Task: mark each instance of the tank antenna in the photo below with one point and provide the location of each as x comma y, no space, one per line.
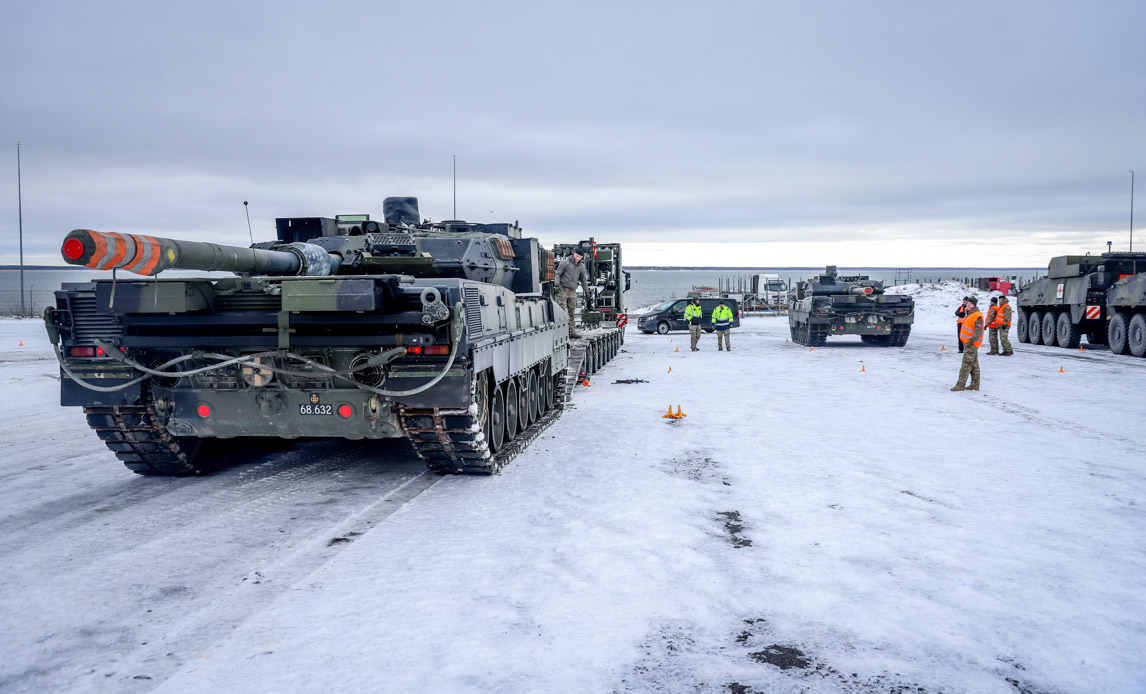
455,186
245,209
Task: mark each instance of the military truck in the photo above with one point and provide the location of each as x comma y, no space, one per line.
349,328
829,304
603,311
1096,296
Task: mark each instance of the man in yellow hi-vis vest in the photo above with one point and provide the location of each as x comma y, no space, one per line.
722,321
693,315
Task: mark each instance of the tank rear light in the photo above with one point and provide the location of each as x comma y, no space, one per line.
99,351
415,350
437,349
83,351
345,411
73,249
204,410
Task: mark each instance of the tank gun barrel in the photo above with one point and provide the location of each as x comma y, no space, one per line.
150,255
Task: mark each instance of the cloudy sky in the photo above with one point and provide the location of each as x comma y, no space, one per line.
733,133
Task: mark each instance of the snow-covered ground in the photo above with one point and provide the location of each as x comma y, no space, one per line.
809,527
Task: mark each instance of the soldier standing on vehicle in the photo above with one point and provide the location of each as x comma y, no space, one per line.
693,315
993,326
971,336
570,271
722,321
960,314
1004,320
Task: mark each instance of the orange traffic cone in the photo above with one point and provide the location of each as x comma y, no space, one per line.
1060,370
863,369
811,349
670,370
679,414
785,339
677,350
21,343
942,348
670,415
1081,349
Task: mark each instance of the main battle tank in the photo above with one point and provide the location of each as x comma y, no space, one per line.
832,305
348,328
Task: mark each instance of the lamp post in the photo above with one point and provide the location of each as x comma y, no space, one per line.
1131,210
20,218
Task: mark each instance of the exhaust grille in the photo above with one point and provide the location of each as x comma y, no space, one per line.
88,323
473,311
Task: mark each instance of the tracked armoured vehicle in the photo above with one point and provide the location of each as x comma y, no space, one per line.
350,328
1102,297
832,305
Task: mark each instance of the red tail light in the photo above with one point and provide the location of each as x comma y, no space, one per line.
204,410
437,349
99,351
345,411
415,350
83,352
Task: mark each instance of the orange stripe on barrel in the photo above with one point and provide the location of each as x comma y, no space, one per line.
120,250
140,254
153,245
100,249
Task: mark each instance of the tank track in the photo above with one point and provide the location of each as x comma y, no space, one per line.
135,433
447,439
896,338
810,335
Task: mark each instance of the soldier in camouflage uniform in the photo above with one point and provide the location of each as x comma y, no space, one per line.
971,335
993,326
570,272
1005,325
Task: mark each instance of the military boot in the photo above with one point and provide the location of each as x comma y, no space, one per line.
959,387
973,387
1007,354
993,352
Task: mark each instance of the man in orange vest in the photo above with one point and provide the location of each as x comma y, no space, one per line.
993,326
971,336
1004,321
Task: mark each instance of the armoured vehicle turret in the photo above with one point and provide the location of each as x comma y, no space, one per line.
350,328
829,304
1100,296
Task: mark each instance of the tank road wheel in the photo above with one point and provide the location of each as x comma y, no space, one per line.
1050,323
497,421
1022,327
481,399
523,417
663,328
550,388
534,397
1116,334
511,410
1066,332
1035,328
1137,335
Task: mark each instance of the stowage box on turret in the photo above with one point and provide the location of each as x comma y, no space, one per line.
348,327
832,305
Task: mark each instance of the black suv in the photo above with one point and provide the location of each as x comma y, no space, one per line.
670,315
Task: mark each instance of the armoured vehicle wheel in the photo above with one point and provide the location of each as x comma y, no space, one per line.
1050,323
534,399
1067,333
1116,334
663,328
511,410
1035,328
1137,335
523,408
1022,328
497,420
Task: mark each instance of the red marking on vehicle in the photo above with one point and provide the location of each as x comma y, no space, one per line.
1093,311
345,411
73,249
204,410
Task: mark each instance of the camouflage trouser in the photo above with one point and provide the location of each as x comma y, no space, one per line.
567,299
970,365
1005,338
694,335
722,339
993,339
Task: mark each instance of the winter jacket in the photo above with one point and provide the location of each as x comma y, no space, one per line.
569,273
693,314
722,317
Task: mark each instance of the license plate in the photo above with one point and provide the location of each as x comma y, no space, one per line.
308,408
315,407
